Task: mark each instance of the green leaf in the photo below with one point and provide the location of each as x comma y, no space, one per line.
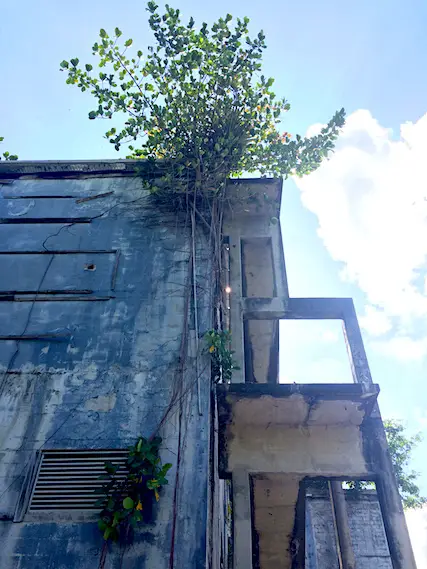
102,33
111,468
74,62
92,115
128,42
128,503
117,32
107,533
116,518
166,468
64,64
88,67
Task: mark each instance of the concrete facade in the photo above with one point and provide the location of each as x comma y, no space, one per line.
93,312
275,438
98,328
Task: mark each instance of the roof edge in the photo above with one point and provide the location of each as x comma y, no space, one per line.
16,168
54,169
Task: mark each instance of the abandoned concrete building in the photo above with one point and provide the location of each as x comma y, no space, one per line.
94,304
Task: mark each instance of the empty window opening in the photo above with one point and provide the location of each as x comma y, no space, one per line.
313,351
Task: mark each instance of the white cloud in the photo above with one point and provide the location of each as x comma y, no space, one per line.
329,337
375,322
421,418
403,348
370,200
417,526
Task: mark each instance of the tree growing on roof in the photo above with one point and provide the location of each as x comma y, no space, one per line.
198,100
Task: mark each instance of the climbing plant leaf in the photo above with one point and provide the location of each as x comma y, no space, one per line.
123,499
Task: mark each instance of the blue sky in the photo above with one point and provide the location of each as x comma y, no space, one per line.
357,228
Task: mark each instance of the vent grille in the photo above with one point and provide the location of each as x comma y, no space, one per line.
67,480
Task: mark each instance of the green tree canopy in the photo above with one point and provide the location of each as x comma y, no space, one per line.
197,98
401,447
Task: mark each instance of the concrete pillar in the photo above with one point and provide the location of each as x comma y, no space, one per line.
339,509
279,265
399,543
355,348
242,521
236,320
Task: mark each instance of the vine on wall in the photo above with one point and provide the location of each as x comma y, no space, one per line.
197,111
221,354
125,496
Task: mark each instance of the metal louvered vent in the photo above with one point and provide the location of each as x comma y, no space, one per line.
66,480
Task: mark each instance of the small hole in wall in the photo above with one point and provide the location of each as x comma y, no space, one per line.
90,267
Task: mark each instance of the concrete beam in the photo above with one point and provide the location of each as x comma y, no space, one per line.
264,308
297,308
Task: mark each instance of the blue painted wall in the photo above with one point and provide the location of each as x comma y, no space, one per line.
103,371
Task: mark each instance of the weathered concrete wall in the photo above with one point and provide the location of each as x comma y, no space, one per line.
318,450
95,369
274,502
366,528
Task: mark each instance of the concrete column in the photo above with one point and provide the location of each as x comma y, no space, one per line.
355,347
279,265
399,543
339,508
236,319
242,521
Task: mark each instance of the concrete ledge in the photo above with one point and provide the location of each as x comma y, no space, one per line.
327,391
295,404
307,429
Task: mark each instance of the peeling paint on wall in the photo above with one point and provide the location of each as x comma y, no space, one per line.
105,377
